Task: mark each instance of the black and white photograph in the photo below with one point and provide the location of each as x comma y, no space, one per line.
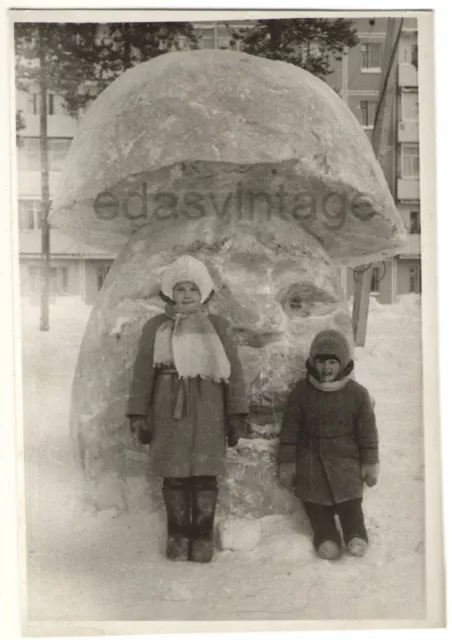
223,279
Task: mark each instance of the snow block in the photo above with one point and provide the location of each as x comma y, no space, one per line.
277,287
217,133
238,534
275,284
251,488
261,171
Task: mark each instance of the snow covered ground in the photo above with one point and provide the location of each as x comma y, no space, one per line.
85,567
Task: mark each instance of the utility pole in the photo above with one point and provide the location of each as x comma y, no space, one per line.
380,142
45,193
127,37
345,77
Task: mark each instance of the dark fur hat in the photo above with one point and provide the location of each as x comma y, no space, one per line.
334,344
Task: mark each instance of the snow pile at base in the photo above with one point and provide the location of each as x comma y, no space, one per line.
83,566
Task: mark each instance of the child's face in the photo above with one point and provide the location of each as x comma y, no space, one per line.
328,370
186,294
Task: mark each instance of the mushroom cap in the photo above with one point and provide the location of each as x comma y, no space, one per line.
231,134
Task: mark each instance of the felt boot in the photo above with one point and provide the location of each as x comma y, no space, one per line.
329,550
358,547
204,492
176,495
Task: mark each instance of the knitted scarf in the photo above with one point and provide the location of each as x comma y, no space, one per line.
335,385
189,342
329,386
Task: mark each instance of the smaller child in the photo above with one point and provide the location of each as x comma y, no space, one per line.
329,446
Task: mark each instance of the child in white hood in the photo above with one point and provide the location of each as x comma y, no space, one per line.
187,397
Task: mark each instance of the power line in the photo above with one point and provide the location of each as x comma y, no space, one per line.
388,72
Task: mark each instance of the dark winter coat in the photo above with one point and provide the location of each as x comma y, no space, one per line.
195,443
329,434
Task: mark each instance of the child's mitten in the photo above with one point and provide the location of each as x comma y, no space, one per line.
235,429
370,473
141,428
286,474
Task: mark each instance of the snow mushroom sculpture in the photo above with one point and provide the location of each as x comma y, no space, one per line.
261,171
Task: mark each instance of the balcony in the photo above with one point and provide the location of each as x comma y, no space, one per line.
29,183
407,75
408,189
60,245
412,248
408,131
57,126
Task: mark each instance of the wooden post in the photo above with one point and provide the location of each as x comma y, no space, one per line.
384,128
363,281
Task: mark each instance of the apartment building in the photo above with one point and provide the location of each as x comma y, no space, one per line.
78,269
217,35
357,78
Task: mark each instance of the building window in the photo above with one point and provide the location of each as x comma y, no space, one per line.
224,42
29,158
375,282
367,109
26,219
415,222
54,105
410,106
32,104
53,280
58,280
371,56
410,161
34,275
414,55
64,280
101,275
208,42
415,283
51,105
29,214
222,30
58,150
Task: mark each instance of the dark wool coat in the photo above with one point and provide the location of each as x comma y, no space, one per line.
329,434
195,443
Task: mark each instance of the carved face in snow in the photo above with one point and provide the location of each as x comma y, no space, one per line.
274,283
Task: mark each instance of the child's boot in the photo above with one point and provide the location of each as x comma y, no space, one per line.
353,526
327,539
358,547
203,504
329,550
176,494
